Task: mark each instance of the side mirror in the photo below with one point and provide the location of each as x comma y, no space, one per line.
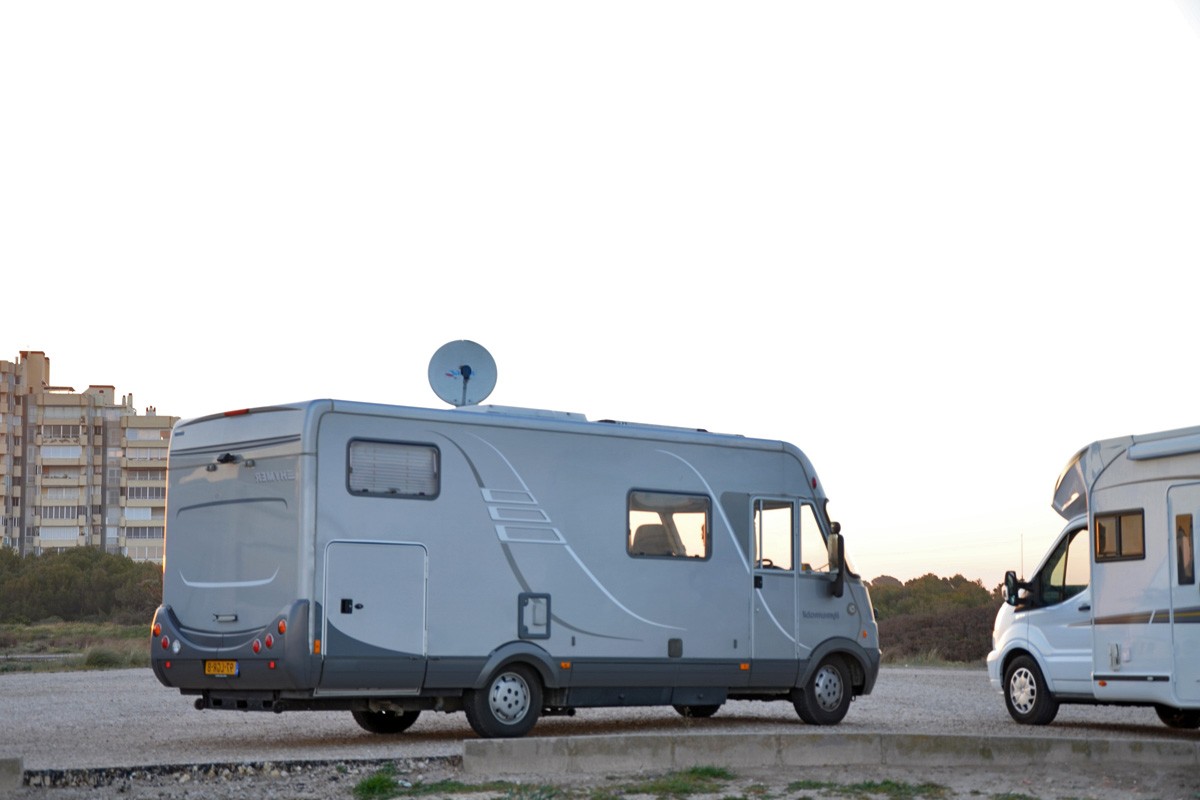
1011,585
837,564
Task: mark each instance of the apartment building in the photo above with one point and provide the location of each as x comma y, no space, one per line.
79,469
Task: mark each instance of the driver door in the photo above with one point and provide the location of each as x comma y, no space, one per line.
774,623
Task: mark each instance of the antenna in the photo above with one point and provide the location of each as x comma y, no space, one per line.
462,373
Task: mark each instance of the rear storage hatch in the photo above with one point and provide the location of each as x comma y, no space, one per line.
234,525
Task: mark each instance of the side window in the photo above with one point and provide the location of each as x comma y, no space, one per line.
1120,536
1185,550
773,527
1068,571
668,525
393,469
814,552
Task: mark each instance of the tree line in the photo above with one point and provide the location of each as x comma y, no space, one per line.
82,584
934,619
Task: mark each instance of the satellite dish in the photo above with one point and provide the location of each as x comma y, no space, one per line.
462,373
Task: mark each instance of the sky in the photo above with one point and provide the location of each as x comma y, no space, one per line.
938,245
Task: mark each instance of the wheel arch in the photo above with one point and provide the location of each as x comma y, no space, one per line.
863,664
520,653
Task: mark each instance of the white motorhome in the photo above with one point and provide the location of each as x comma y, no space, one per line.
504,562
1111,614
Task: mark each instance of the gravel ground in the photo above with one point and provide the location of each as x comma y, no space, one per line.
122,734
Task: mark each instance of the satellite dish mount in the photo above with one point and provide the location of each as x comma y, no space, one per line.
462,373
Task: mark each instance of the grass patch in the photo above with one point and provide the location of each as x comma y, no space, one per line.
696,780
56,646
384,784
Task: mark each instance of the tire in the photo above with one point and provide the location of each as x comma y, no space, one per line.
825,699
697,712
507,706
1028,699
385,721
1178,717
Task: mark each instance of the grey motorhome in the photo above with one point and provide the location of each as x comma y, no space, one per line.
1110,615
504,562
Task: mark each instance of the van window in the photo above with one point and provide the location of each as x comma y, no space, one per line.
814,552
1185,550
1120,536
773,527
1067,571
393,469
668,525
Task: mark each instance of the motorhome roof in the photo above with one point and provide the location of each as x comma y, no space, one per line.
1081,472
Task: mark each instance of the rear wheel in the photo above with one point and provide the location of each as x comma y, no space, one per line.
1178,717
385,721
508,705
1029,701
825,699
698,712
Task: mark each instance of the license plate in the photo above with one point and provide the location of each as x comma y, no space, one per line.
225,668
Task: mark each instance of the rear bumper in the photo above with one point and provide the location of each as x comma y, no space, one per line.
283,661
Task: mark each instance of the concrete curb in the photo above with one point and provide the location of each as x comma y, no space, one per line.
12,772
627,754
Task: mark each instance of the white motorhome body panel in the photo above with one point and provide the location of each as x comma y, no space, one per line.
1132,644
1183,510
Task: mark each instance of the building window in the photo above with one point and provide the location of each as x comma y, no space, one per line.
393,469
60,432
1120,536
146,493
62,451
60,512
668,525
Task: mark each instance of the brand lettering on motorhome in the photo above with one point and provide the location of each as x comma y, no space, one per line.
275,475
831,615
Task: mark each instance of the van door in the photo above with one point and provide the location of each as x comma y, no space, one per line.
774,624
1058,612
1183,507
374,629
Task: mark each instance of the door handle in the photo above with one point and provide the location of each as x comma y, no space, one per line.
348,605
1086,607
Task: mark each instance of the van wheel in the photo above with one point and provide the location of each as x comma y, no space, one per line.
507,706
825,699
1029,701
697,712
385,721
1178,717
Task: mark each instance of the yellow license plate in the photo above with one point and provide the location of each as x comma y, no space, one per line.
226,668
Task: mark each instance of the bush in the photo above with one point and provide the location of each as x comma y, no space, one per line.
103,657
83,584
934,619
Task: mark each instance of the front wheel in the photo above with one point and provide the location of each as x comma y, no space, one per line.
1178,717
507,706
385,721
1029,701
825,699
